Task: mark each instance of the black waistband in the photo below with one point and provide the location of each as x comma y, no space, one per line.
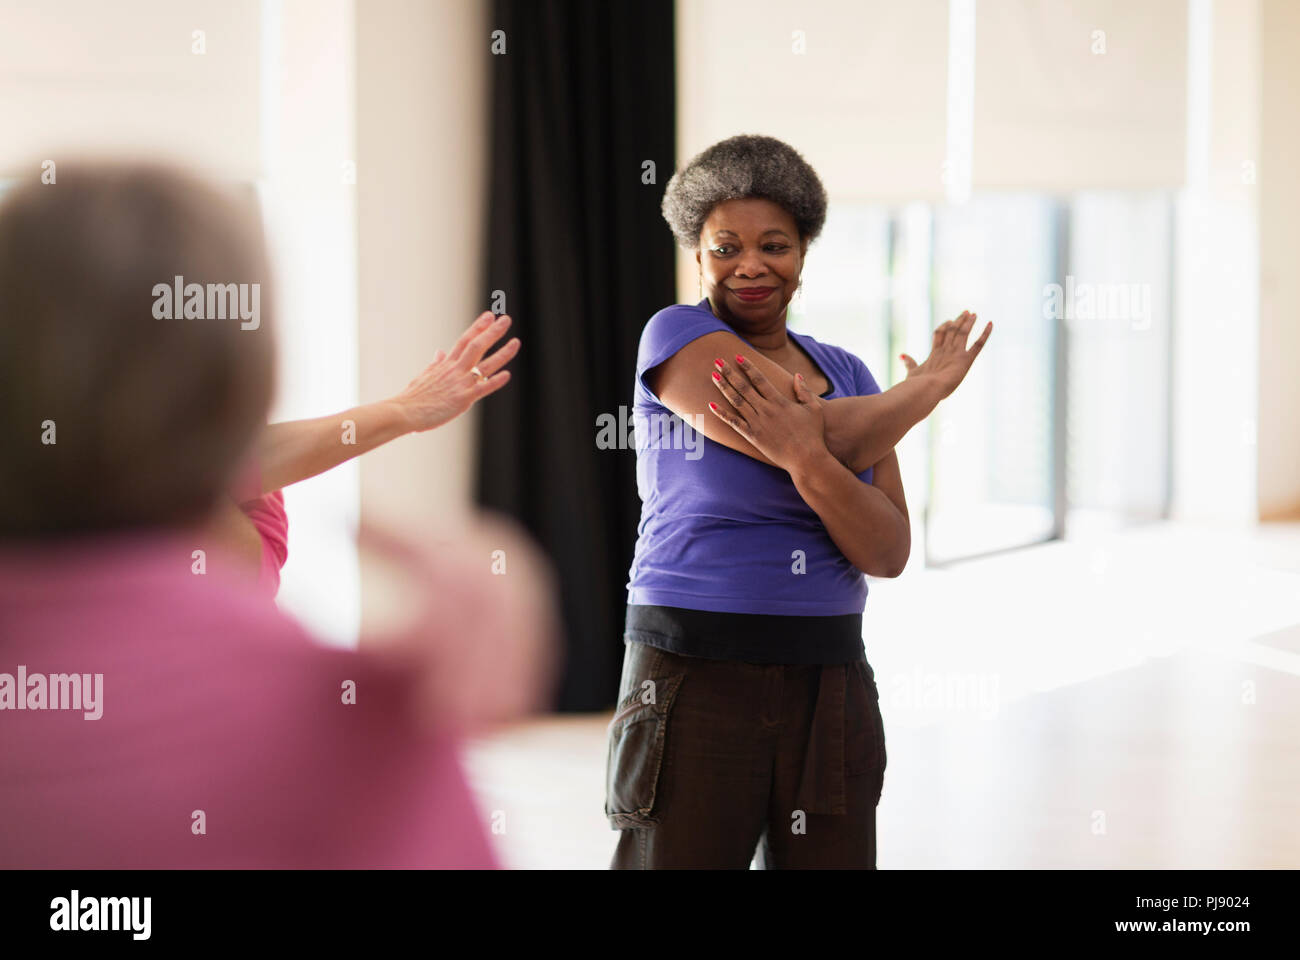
752,637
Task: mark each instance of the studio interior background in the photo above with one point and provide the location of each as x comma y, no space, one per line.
1106,511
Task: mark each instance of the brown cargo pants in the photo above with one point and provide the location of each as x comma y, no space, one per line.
712,762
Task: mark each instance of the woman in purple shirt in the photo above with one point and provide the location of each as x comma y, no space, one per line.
748,716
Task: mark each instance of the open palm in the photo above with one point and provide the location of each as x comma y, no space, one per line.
448,386
949,360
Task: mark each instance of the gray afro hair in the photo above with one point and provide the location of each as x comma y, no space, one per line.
744,166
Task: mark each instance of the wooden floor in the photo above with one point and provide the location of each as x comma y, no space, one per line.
1131,700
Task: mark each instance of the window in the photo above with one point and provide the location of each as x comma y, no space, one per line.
1066,416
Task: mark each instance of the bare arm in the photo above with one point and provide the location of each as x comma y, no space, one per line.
859,431
860,517
887,477
297,449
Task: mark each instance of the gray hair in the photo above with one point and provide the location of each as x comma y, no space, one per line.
744,166
153,417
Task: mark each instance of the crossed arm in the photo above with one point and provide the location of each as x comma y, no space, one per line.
766,414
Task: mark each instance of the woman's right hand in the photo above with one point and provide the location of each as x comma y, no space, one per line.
789,431
448,387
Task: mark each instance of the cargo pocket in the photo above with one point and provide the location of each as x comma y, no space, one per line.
864,744
637,738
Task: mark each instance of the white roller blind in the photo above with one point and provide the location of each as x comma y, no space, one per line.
864,101
123,76
1078,95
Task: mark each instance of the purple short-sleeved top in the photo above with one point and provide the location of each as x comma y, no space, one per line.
722,531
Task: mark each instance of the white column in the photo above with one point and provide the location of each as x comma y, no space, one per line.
1217,272
1278,433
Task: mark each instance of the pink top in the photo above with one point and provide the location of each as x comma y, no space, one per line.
272,522
212,701
268,515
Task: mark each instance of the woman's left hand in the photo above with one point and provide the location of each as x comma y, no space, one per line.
448,387
789,431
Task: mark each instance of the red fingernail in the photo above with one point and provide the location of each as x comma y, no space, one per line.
717,376
718,363
739,358
712,405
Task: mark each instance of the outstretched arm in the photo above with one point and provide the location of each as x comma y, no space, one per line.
295,450
866,429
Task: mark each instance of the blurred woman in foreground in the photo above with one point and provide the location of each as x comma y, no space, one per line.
157,715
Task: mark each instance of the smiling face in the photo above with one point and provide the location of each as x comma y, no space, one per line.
750,259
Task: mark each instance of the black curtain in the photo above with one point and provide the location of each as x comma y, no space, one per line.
582,101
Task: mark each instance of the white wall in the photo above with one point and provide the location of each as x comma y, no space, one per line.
125,76
1085,94
422,131
857,86
1279,252
308,136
